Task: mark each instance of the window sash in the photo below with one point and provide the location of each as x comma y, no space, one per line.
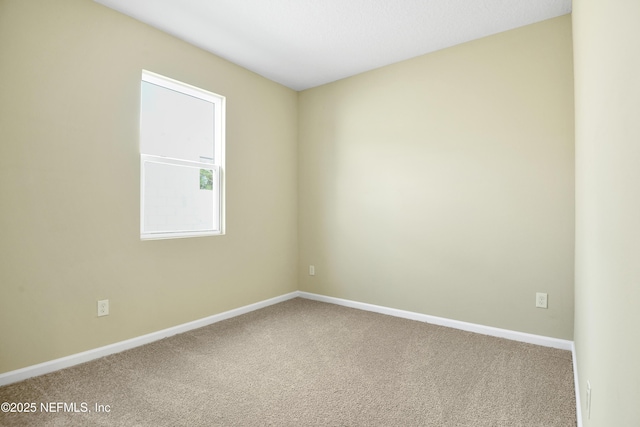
165,201
218,101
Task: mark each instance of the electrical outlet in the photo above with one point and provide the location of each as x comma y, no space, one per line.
103,307
541,300
588,400
312,270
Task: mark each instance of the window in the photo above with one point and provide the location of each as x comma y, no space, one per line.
181,159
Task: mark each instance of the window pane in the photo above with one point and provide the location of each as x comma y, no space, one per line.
175,125
179,198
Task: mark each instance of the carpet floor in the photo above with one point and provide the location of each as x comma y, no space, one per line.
307,363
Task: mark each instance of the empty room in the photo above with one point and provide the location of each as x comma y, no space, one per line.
354,213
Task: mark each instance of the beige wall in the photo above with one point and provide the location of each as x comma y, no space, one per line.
607,100
444,184
69,185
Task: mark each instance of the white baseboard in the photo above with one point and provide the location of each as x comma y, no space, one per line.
577,385
457,324
76,359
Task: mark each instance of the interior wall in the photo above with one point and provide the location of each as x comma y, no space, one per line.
607,102
69,185
445,184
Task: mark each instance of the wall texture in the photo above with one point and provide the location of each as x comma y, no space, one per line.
445,184
607,103
69,185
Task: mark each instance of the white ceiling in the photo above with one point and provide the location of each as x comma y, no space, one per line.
306,43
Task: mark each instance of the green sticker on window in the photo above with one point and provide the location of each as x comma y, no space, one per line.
206,179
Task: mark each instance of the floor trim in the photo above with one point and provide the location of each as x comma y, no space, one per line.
577,385
75,359
457,324
96,353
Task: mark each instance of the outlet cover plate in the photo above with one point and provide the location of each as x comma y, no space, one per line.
541,300
103,307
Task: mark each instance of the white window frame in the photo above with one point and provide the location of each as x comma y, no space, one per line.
217,166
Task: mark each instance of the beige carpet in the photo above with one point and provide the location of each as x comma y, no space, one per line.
306,363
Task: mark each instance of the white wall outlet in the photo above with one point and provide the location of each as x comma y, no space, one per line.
103,307
541,300
588,400
312,270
